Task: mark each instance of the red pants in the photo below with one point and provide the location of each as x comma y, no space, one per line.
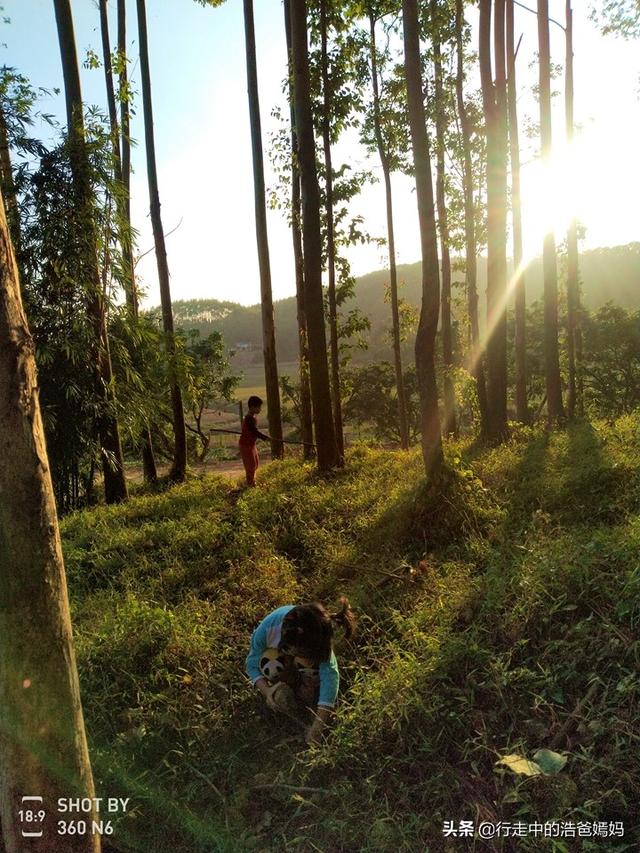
250,460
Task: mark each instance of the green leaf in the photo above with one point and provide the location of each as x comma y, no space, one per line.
550,762
521,765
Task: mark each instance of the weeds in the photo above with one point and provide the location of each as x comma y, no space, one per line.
499,619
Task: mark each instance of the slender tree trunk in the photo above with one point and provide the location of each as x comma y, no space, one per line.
148,457
179,467
124,224
115,486
331,249
266,299
574,396
391,241
494,103
428,324
42,739
443,227
327,449
125,146
555,410
471,266
306,419
522,409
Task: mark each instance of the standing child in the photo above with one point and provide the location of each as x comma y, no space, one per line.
292,663
247,443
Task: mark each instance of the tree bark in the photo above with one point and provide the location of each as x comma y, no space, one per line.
125,141
555,410
146,445
124,223
115,486
179,467
306,419
331,249
449,421
428,324
42,738
318,369
8,184
391,241
522,409
494,104
471,265
266,299
574,395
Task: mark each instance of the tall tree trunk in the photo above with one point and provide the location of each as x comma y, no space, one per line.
124,223
115,486
306,418
391,240
555,410
150,471
125,144
266,299
327,449
443,227
494,104
428,324
42,739
471,265
331,249
522,409
574,396
179,467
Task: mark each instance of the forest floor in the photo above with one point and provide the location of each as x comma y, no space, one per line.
498,617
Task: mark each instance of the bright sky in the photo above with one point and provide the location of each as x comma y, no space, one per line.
203,143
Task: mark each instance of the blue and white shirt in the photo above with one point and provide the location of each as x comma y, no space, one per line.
267,636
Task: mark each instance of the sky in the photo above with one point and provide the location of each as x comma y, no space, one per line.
204,152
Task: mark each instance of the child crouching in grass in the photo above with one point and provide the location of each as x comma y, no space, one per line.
292,663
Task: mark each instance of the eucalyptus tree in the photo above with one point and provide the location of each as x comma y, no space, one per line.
42,737
384,132
574,336
494,100
428,325
121,144
439,21
327,102
179,467
306,414
555,409
327,450
471,248
266,298
111,449
125,131
522,410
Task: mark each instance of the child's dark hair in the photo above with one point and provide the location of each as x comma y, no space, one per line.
309,628
254,400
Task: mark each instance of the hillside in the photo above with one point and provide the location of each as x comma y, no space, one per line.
496,620
608,274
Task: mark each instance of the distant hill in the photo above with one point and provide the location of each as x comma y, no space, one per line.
608,274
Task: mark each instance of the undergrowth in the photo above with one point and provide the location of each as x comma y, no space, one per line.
498,616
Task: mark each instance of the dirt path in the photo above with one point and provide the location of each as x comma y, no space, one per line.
231,469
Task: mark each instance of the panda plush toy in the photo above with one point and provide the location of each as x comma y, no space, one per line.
272,664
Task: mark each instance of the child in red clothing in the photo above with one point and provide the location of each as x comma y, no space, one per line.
250,433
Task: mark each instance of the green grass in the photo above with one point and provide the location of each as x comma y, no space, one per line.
489,615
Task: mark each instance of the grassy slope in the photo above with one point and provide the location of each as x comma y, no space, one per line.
526,595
